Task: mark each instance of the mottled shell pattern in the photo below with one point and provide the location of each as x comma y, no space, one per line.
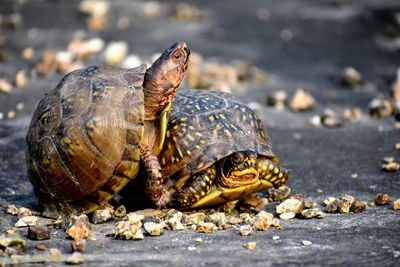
84,136
227,126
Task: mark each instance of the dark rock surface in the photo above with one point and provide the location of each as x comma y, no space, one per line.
326,38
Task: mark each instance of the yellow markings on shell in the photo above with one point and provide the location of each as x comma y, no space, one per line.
191,127
189,152
197,146
276,170
211,118
67,140
268,176
197,107
215,133
273,178
227,132
271,167
186,143
168,134
183,119
179,151
222,116
244,118
207,178
203,184
264,167
198,134
175,127
172,159
191,138
202,141
280,175
203,193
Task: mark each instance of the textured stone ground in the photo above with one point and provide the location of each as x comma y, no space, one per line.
326,38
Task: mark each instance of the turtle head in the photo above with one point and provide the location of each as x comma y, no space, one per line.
163,78
238,169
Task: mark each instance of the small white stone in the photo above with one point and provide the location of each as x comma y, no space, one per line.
27,220
131,61
115,52
287,215
276,237
306,243
191,248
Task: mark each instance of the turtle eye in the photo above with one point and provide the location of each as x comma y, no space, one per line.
178,55
237,158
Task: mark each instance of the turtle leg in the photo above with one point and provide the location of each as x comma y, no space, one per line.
197,188
272,172
154,189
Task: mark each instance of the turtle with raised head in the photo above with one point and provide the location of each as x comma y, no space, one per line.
216,150
88,136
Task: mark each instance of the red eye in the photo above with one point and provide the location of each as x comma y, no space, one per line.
178,55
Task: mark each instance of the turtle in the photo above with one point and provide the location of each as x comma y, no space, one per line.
90,135
216,150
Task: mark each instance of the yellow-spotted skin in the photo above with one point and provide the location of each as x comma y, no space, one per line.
206,127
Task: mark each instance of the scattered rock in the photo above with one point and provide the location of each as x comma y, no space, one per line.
230,206
78,227
352,113
351,78
277,99
12,209
175,224
253,202
262,221
381,107
40,247
11,114
251,245
12,245
278,194
75,259
246,218
343,207
397,146
245,230
329,119
97,11
101,216
332,207
347,198
13,21
173,213
277,224
382,199
358,206
206,227
199,240
194,218
391,167
55,254
328,201
290,205
217,218
372,204
147,213
154,229
151,9
131,61
115,52
185,11
396,204
129,230
309,204
314,121
19,106
312,213
38,233
301,101
287,215
48,63
27,221
276,237
306,243
120,212
28,53
388,159
5,87
78,245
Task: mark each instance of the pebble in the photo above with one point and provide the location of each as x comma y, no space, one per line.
131,61
245,230
277,99
278,194
101,216
276,237
40,247
253,203
175,224
306,243
38,233
151,9
173,213
147,213
128,230
78,245
185,11
191,248
19,106
391,167
229,206
251,245
262,221
1,115
343,207
194,218
217,218
154,229
312,213
351,78
28,53
396,204
382,199
347,198
27,221
246,218
354,176
287,215
11,245
5,87
388,159
120,212
199,240
358,206
12,209
290,205
397,146
11,114
75,259
115,52
381,107
301,101
332,207
352,113
328,201
78,227
314,121
329,119
309,204
20,79
55,253
206,227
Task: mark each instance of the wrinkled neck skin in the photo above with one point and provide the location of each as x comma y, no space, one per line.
155,97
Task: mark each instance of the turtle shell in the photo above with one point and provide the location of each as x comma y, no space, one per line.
83,140
226,125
